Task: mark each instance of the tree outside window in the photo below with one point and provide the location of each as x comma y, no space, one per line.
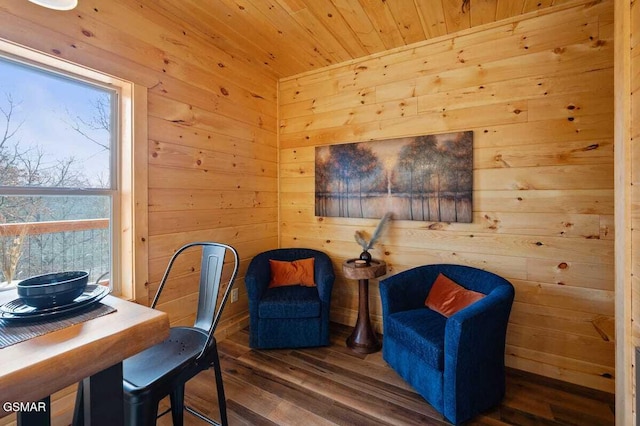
56,180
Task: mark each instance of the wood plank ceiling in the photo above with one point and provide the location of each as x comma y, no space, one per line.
289,37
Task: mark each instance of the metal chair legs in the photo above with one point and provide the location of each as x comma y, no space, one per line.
177,405
222,401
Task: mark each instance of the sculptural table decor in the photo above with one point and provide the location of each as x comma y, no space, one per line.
363,339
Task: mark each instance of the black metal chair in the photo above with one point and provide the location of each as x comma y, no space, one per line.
164,368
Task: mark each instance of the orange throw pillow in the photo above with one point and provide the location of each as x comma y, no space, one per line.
448,297
298,272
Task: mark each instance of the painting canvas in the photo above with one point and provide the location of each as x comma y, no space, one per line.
426,178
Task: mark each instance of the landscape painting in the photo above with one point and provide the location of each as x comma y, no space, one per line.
425,178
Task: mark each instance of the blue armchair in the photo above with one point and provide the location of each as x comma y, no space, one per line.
291,316
455,363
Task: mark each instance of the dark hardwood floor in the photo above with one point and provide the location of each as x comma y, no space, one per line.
336,386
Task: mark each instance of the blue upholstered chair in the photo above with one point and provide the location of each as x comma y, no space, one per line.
455,363
291,316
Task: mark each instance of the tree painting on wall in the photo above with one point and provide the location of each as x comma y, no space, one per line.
427,178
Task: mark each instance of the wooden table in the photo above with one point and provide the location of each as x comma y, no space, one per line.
363,339
91,351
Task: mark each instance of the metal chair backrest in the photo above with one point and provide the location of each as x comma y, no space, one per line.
210,304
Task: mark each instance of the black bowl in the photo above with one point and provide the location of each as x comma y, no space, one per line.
56,289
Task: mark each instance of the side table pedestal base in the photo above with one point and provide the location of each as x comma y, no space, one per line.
363,339
363,344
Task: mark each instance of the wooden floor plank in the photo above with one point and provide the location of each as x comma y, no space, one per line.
358,399
358,382
336,386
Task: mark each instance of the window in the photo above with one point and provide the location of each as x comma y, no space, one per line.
65,170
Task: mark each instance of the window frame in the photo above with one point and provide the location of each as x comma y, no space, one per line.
129,185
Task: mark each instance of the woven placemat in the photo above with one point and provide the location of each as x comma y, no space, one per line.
16,332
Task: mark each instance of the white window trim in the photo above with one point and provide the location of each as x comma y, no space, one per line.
130,212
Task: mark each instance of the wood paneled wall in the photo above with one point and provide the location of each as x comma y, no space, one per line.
212,148
536,90
538,94
630,170
635,156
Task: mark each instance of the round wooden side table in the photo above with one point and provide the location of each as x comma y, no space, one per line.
363,339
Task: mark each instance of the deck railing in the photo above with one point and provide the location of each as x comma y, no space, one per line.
44,247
